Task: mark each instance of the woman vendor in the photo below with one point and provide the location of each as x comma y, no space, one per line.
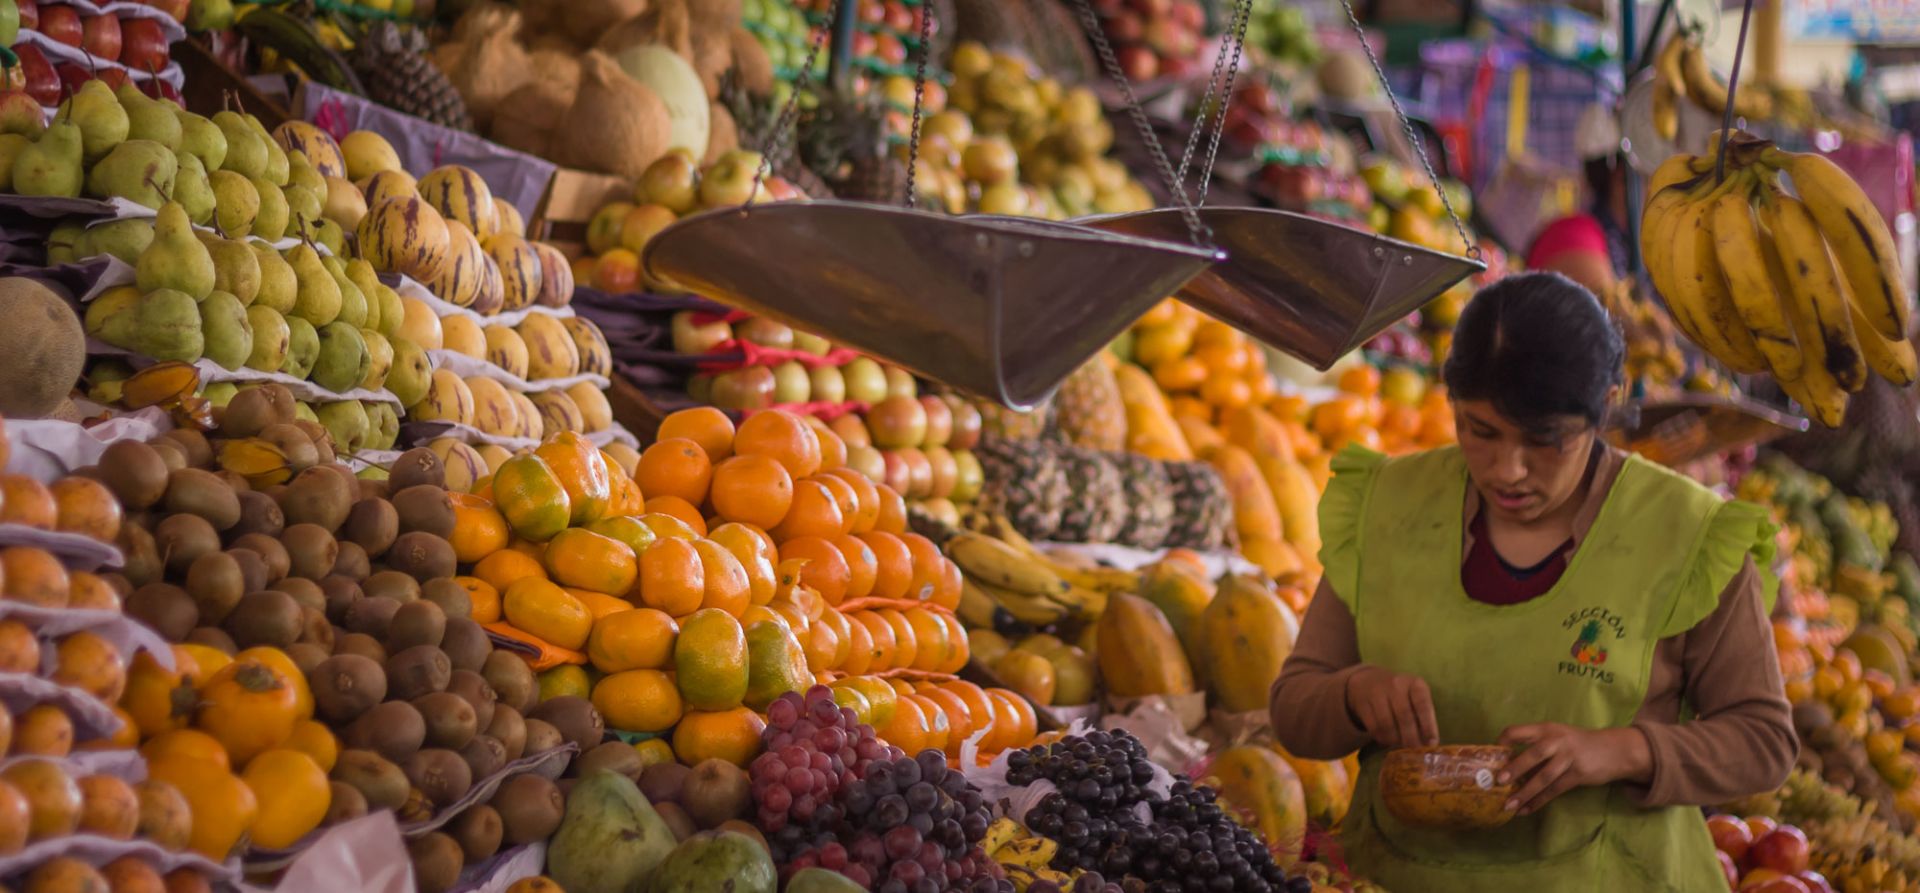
1536,588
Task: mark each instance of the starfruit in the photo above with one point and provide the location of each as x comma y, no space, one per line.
260,462
193,411
161,383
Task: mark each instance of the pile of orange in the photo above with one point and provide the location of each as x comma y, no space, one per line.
944,715
1204,365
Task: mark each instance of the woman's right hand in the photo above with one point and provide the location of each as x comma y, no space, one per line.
1396,709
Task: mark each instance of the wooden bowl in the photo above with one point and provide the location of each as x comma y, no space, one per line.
1452,787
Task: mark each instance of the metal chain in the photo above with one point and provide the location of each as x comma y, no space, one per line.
919,100
783,123
1406,124
1202,236
1206,103
1245,12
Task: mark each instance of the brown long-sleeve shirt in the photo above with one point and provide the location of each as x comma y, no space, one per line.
1740,740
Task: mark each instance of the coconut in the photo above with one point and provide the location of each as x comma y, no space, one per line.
616,125
491,63
722,135
678,85
712,56
667,24
558,67
751,66
586,21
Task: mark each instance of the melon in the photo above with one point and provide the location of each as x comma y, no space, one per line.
42,349
678,85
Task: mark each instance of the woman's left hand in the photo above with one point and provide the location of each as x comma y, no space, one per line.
1558,758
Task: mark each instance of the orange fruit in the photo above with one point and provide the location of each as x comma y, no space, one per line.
1027,722
483,597
27,502
1010,728
946,587
85,506
892,517
927,566
945,469
833,450
843,496
674,467
859,647
974,697
782,436
582,559
755,557
679,508
866,499
729,735
930,635
815,512
906,646
838,622
672,577
755,490
908,728
1363,380
826,569
893,564
862,565
665,526
506,567
479,529
957,636
939,724
727,585
705,425
881,633
960,719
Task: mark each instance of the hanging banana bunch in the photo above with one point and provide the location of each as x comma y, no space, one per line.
1802,283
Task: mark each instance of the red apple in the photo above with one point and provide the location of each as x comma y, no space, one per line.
1189,13
42,83
101,36
866,44
29,15
1815,881
939,421
1139,63
1731,870
966,423
1152,9
873,12
1761,825
898,476
143,45
900,18
1784,850
898,422
1126,27
1730,835
62,24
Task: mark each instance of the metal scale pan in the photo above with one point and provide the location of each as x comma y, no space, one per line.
1001,307
1308,287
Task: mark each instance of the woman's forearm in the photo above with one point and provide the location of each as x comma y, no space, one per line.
1309,700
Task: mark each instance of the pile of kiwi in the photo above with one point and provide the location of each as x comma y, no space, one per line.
353,577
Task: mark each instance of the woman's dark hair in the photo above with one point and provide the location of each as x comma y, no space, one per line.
1537,346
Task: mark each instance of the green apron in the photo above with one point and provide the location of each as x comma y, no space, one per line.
1653,565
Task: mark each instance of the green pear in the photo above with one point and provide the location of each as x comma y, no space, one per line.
318,298
236,269
140,171
379,359
301,173
328,233
10,146
236,203
176,259
226,330
343,362
199,136
65,235
271,223
303,347
125,239
279,287
302,412
361,274
271,335
410,374
383,426
51,166
21,114
149,119
191,190
209,15
103,123
346,420
303,207
277,169
353,302
110,315
393,314
246,151
165,325
220,393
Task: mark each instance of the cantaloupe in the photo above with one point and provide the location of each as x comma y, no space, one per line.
673,79
42,349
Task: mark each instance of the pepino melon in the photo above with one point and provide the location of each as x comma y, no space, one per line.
673,79
1139,654
1248,633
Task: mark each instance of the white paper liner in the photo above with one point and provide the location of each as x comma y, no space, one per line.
58,52
125,633
127,765
91,719
1219,562
96,850
75,551
1161,723
466,367
498,873
365,855
366,459
49,449
407,287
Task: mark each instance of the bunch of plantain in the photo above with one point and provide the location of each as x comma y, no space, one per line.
1802,283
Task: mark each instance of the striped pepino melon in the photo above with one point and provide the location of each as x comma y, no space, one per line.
494,410
405,235
461,276
520,273
488,299
460,195
448,400
532,426
1139,654
550,349
558,413
595,413
316,144
595,357
556,276
506,350
1262,792
463,463
1247,634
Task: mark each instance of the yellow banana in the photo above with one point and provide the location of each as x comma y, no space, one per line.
1026,607
1891,359
1705,89
1816,390
976,608
1863,249
1088,603
1815,286
1736,239
1699,285
1031,853
1003,831
1667,85
1000,564
1667,192
1100,579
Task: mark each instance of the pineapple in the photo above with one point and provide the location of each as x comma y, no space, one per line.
1149,499
1099,504
1202,507
1008,424
1087,410
392,64
1023,481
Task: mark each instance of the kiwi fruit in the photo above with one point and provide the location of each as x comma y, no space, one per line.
170,454
258,514
347,803
341,593
416,623
452,597
512,680
253,569
215,582
311,550
271,552
485,755
136,474
182,539
420,670
365,646
436,861
715,792
213,637
315,629
477,830
451,722
202,493
530,809
664,782
509,729
165,607
617,756
425,509
118,583
352,562
267,617
294,444
575,717
193,444
234,482
307,655
249,413
677,820
371,524
140,558
371,615
394,729
416,467
473,688
379,781
422,555
541,737
440,774
391,584
369,488
306,593
345,686
320,496
466,645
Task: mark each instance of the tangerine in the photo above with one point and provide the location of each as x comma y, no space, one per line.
908,727
705,425
892,517
844,496
506,567
906,646
27,502
479,529
826,570
674,506
862,564
672,577
729,735
755,490
483,598
815,513
881,634
928,566
674,467
859,656
784,437
833,450
930,635
866,499
939,724
727,585
755,556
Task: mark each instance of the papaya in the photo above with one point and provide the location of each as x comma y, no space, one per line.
1297,498
1255,513
1181,596
1262,792
716,862
820,880
611,839
1255,430
1151,430
776,664
1326,786
1138,652
1248,633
